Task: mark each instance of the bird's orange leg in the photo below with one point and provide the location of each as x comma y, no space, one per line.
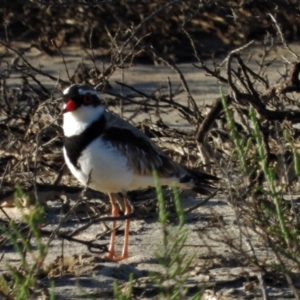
128,211
115,213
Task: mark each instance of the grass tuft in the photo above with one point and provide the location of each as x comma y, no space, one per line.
27,242
172,255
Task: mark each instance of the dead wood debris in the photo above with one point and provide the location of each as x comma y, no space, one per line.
95,23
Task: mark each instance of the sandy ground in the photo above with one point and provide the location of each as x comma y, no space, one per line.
216,268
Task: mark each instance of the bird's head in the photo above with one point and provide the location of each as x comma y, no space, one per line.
82,106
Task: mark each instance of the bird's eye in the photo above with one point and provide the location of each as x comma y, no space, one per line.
87,98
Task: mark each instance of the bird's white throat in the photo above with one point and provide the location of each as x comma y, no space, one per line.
75,122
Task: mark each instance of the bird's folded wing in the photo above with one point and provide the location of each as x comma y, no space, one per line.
143,155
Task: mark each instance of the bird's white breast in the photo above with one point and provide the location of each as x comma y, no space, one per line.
109,169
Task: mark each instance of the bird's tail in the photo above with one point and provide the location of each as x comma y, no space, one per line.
199,182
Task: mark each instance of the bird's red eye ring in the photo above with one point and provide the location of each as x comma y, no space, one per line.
87,98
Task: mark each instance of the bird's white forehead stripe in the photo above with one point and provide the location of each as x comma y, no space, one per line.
83,92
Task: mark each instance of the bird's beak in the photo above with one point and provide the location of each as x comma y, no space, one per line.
70,106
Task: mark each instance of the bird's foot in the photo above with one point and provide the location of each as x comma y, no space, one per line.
112,256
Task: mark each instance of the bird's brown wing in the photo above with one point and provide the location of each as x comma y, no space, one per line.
143,155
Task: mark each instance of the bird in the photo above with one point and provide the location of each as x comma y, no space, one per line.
110,155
